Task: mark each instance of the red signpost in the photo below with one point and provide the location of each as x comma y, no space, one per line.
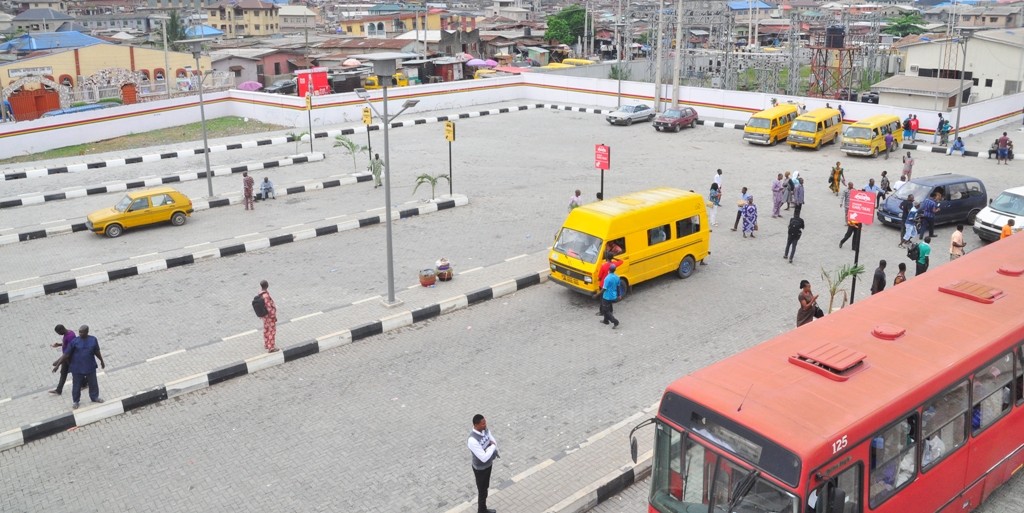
862,207
602,161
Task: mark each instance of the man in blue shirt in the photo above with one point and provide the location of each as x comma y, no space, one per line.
82,354
609,294
929,207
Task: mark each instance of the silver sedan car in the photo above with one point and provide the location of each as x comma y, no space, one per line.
627,114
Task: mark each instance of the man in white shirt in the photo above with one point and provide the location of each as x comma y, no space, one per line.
484,450
575,200
718,179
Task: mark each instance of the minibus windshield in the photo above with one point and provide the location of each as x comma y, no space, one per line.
803,125
855,132
577,245
1009,203
759,123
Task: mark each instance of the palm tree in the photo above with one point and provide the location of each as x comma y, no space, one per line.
836,278
432,180
297,138
905,25
175,32
350,147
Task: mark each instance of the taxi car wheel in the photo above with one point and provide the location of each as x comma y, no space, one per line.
629,121
178,219
113,231
693,124
972,216
686,267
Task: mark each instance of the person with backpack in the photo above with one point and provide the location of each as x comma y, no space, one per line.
910,223
906,129
923,250
796,229
265,309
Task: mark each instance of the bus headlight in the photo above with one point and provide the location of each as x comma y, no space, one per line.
588,280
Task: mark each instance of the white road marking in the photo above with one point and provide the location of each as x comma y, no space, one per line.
471,270
196,245
6,229
335,217
361,301
2,401
85,267
293,226
165,355
23,279
247,235
410,287
54,221
144,256
314,314
242,334
524,255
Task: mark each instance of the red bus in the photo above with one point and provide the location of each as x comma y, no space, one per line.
909,401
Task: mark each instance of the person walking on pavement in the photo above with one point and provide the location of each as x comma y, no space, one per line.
376,168
844,200
836,179
914,126
778,195
715,198
798,196
67,336
269,320
890,142
739,206
929,207
878,282
81,357
1003,145
907,221
718,178
852,229
602,272
575,200
808,302
908,166
1007,229
796,229
609,292
749,218
483,450
938,129
956,243
924,249
247,186
885,186
871,187
901,276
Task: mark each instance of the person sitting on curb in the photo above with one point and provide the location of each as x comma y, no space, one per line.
266,189
958,145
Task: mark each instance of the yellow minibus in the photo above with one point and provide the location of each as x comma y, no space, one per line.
578,62
815,128
770,125
651,233
867,136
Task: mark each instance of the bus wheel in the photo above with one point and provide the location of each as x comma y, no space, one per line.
772,141
686,267
623,288
874,152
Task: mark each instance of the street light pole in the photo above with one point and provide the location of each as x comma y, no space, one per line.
197,50
960,94
167,62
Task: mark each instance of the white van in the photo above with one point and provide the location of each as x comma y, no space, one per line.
990,221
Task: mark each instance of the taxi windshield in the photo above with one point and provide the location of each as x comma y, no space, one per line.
759,123
123,204
577,245
687,476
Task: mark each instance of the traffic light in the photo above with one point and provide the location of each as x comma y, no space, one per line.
367,116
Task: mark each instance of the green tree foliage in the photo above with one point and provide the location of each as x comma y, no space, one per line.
566,26
905,25
175,32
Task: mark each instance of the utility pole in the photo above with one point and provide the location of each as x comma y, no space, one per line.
657,57
680,45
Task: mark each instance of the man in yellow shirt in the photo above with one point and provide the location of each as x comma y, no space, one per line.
1007,230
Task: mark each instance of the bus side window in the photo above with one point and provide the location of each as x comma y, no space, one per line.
944,424
688,226
992,395
657,235
839,495
1020,375
616,246
893,459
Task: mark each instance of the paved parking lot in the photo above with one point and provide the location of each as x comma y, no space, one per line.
380,425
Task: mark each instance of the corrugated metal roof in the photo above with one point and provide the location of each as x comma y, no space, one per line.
48,41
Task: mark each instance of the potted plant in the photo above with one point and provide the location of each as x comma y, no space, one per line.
432,180
351,148
836,278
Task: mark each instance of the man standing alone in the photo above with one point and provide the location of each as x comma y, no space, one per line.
269,320
247,185
908,166
956,243
609,294
575,200
81,356
798,196
796,229
924,249
484,450
376,167
1003,149
878,283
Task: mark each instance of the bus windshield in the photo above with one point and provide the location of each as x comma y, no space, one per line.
803,125
577,245
858,133
1009,203
759,123
689,477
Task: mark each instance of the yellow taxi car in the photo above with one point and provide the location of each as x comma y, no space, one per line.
139,208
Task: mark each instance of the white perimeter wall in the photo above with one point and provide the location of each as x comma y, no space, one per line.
346,109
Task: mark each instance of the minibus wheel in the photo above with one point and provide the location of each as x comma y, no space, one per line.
772,141
623,288
874,152
686,267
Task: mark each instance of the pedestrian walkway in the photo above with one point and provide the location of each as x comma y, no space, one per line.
128,386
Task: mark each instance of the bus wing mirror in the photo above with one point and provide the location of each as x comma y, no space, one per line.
632,439
632,449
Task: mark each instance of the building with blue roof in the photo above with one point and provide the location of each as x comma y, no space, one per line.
42,41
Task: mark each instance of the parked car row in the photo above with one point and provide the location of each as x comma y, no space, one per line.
671,119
